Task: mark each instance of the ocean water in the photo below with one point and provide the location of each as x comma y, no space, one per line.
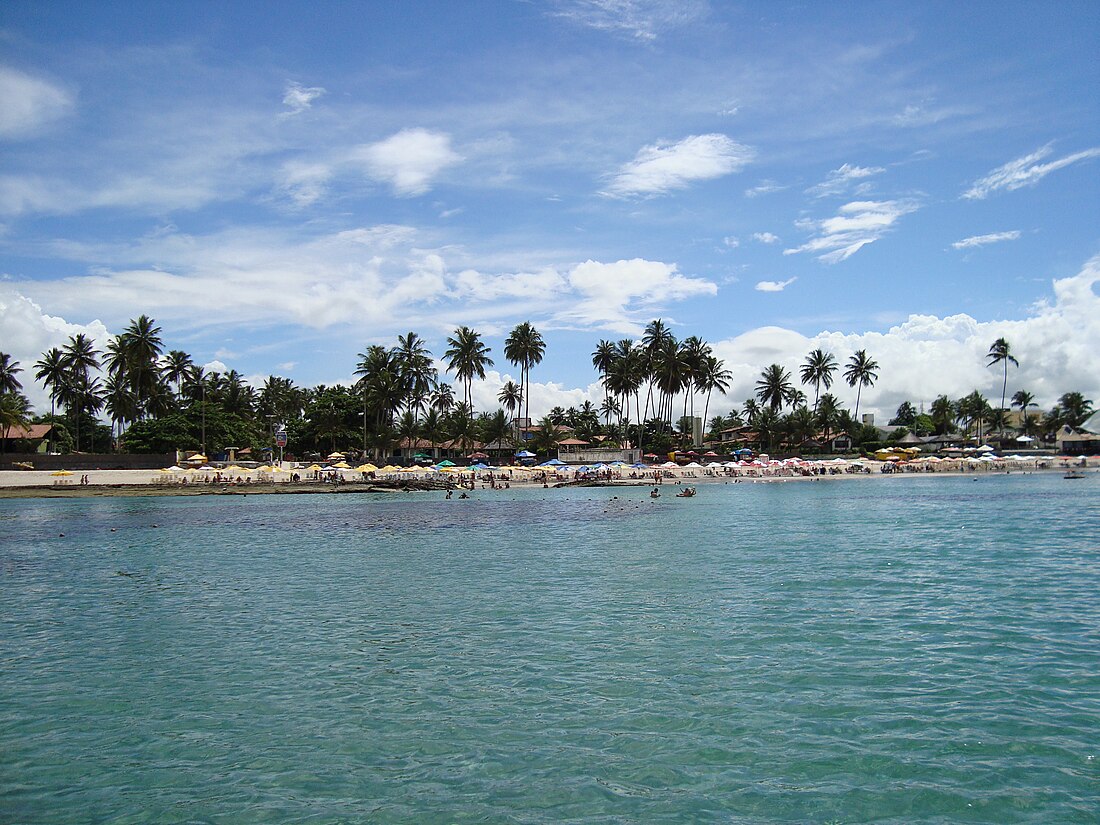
859,650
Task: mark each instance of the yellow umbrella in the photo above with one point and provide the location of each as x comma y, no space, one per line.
61,473
197,457
389,468
313,468
367,468
342,465
335,455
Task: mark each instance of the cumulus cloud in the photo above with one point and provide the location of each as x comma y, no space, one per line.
28,103
774,286
839,181
298,98
409,160
765,237
982,240
927,356
28,331
638,19
618,296
858,224
1025,171
663,167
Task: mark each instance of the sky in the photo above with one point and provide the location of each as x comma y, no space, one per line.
281,185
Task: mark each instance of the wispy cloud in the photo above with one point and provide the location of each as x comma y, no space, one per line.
765,237
28,103
765,187
839,181
1025,171
641,20
408,160
774,286
858,224
662,167
298,98
982,240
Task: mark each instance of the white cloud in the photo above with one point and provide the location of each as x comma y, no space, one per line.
305,182
638,19
927,356
839,181
1025,171
27,332
618,296
774,286
28,103
298,98
409,160
662,167
531,286
982,240
731,242
765,237
765,187
858,224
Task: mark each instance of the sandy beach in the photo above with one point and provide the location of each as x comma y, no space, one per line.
45,484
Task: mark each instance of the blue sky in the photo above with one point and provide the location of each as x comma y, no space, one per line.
282,184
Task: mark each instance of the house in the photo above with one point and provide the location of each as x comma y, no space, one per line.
37,434
1073,441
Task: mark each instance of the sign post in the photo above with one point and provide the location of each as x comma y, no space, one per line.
280,442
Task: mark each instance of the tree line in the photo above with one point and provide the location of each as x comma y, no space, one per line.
158,400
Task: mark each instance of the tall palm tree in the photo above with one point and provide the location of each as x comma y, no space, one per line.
467,357
525,348
944,412
861,370
51,370
713,376
141,348
414,364
8,371
81,393
602,358
1000,353
774,388
511,396
818,369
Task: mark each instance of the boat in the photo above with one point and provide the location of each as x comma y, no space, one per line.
1073,474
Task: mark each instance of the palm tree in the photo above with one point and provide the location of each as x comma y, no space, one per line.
774,387
432,428
610,407
176,366
119,402
80,393
818,370
944,413
1000,353
8,371
407,429
467,357
828,414
1075,409
414,365
15,411
511,396
862,370
602,359
525,348
442,399
713,376
52,372
1023,399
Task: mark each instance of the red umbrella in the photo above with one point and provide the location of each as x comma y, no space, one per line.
477,455
711,453
651,455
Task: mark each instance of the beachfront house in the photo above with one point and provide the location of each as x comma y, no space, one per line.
33,438
1076,441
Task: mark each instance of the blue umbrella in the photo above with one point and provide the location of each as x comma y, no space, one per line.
479,466
524,454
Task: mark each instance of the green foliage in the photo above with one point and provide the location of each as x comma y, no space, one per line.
183,431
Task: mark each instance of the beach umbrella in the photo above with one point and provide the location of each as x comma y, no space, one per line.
335,455
445,463
985,448
342,465
524,454
61,473
197,457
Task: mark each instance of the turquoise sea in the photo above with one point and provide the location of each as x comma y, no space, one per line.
847,651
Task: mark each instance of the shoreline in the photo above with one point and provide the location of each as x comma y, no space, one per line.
40,484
